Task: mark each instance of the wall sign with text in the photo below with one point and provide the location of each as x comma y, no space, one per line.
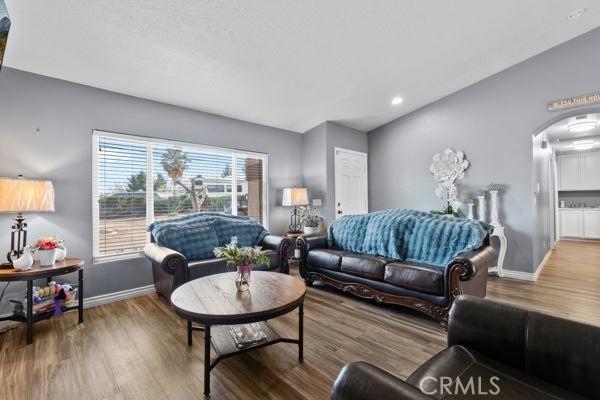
576,101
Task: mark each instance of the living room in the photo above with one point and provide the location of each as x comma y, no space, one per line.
379,154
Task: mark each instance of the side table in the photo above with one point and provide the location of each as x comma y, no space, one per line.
294,236
38,272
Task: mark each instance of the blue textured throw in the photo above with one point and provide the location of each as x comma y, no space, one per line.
196,235
409,235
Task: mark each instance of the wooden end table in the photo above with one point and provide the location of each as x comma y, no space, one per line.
38,272
214,302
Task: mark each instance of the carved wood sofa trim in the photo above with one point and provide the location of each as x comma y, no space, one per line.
458,272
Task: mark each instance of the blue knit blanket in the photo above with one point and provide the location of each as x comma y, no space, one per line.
196,235
409,235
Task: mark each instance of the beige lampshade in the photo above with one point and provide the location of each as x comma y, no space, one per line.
26,195
294,197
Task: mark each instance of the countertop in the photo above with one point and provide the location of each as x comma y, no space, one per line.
580,208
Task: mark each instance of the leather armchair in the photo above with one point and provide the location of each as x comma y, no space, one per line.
170,268
281,245
360,380
534,356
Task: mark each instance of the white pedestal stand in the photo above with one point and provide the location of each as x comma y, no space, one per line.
481,208
470,212
498,232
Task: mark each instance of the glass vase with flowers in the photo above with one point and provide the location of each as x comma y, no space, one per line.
242,258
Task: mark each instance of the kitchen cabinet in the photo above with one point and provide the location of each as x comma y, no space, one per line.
579,171
579,223
590,171
569,172
571,223
591,224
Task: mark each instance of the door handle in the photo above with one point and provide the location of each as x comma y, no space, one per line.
339,212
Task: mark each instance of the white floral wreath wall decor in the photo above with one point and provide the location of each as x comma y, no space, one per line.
448,167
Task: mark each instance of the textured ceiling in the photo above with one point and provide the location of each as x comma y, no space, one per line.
287,63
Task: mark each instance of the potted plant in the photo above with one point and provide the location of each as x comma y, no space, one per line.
310,220
447,191
46,249
242,259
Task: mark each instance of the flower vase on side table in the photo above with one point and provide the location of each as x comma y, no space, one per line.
47,257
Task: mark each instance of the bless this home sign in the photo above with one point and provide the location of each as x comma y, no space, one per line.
576,101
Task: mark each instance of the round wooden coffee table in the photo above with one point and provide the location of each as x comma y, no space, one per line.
214,302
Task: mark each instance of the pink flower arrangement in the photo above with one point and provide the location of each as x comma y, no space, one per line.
48,243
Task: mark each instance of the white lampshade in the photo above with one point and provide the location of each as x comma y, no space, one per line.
294,197
26,195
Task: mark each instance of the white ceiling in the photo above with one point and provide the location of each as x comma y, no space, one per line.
287,63
562,140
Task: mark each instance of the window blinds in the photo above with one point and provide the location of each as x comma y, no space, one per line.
121,196
139,180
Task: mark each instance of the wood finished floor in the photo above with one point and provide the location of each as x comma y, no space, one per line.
136,349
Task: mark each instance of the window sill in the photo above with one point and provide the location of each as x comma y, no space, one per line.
110,259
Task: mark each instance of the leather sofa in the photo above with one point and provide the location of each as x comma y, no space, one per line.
170,268
526,354
426,288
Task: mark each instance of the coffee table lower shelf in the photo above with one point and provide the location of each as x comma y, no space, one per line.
219,339
224,344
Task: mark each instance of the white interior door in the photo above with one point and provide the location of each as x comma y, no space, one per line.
351,186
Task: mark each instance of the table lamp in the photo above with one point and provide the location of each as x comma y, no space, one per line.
18,195
294,197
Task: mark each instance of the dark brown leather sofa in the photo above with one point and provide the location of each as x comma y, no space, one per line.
426,288
532,355
170,268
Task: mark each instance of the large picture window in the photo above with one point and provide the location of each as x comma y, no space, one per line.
138,180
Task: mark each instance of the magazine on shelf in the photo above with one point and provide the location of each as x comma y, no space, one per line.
247,335
44,304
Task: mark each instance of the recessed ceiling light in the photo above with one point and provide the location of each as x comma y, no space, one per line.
582,126
396,101
583,144
576,13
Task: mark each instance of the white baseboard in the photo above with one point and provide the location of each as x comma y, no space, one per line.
96,301
528,276
116,296
522,276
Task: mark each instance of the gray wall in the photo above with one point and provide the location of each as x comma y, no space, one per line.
66,113
492,122
543,201
318,148
314,163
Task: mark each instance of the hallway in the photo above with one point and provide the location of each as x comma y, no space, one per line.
569,285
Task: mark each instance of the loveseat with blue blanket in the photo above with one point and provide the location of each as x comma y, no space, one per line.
405,257
181,249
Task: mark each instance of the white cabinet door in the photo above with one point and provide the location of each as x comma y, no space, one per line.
591,224
569,172
571,223
590,171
